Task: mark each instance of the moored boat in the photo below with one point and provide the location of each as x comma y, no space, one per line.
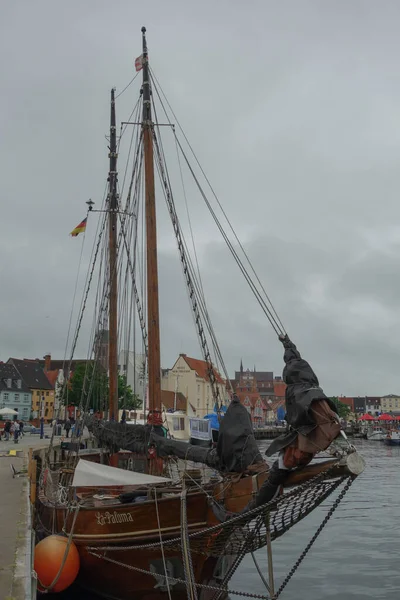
392,438
376,434
205,431
175,520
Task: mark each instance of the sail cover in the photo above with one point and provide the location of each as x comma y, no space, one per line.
236,448
302,390
89,474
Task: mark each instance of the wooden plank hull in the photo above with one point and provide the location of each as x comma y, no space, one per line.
107,537
114,581
123,526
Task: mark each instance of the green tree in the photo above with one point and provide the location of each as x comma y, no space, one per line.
88,378
91,378
126,398
342,409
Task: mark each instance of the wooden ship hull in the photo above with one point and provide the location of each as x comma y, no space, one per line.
106,537
119,544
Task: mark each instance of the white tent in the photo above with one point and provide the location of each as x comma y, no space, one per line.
8,411
92,474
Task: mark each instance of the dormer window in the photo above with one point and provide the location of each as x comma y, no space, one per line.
19,383
9,382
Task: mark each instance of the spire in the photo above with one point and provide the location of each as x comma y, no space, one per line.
241,365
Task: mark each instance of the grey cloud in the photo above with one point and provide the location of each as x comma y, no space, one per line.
293,112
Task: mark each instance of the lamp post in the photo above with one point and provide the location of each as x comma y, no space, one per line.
42,418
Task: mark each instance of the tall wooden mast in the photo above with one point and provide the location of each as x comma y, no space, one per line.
112,247
153,316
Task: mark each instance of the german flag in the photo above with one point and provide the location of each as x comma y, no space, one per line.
81,228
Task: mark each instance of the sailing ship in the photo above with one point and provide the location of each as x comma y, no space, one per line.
148,514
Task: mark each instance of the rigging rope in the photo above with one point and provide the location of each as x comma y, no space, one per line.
187,274
271,313
186,554
127,86
196,282
162,546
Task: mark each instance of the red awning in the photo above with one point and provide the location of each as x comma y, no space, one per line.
386,417
366,418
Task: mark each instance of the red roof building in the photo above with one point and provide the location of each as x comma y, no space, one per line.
249,396
201,368
168,400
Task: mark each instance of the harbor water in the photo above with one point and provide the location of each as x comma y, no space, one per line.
356,557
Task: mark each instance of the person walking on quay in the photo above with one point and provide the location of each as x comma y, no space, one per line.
7,429
16,431
21,428
67,427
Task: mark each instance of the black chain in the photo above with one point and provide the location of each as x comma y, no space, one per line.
223,587
311,542
239,519
240,556
179,580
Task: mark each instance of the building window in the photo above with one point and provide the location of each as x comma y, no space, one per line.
26,412
47,393
198,388
16,396
37,393
198,402
5,397
26,397
19,383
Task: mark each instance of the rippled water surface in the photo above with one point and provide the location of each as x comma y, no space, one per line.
356,557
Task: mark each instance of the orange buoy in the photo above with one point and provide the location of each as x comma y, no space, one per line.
49,556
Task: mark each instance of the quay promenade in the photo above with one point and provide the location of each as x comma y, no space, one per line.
15,538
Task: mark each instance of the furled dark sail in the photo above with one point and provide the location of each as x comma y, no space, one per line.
117,436
301,392
236,450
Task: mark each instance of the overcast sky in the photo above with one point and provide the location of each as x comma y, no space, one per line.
293,109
